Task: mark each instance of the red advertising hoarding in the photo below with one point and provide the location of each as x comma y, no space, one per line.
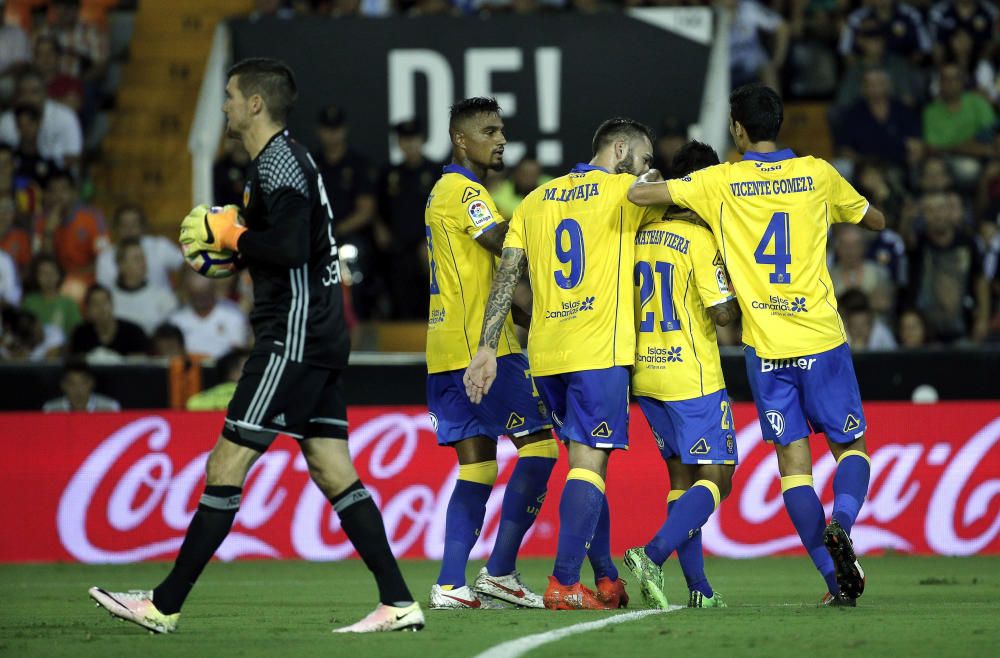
113,488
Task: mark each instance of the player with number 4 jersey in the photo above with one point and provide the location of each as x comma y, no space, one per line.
771,213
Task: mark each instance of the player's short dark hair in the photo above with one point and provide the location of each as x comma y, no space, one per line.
271,79
691,157
470,107
618,128
759,110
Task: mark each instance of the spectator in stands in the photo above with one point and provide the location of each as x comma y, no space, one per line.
77,385
229,174
749,60
935,176
962,30
887,248
60,137
85,47
959,124
852,271
30,164
71,230
865,331
44,299
136,298
13,239
168,342
211,326
908,82
526,175
946,274
349,182
60,86
102,333
229,368
400,231
28,339
878,126
10,281
900,25
163,257
672,135
15,48
27,193
912,329
270,9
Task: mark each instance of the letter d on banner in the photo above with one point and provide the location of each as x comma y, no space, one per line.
404,67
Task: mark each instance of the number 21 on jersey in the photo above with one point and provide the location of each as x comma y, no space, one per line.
645,280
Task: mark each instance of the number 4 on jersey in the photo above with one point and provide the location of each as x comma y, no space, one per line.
781,256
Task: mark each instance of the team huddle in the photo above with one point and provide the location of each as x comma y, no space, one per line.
629,275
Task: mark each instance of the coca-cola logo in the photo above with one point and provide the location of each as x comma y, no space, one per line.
962,498
151,488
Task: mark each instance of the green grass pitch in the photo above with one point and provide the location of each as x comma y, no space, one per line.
914,606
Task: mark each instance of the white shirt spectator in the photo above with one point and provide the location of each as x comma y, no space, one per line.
746,52
224,328
163,256
148,306
10,284
53,338
59,135
96,402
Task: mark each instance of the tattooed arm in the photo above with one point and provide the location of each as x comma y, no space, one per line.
482,370
724,313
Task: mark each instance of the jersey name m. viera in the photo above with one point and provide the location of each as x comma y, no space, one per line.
771,214
578,233
298,310
678,275
459,210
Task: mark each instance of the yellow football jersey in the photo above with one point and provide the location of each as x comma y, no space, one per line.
578,232
771,213
678,274
459,209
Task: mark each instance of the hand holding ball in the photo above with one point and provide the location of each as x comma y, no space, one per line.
208,239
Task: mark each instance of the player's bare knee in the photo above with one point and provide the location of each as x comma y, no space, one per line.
794,458
476,450
229,463
858,445
332,477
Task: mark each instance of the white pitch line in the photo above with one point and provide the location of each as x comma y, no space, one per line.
523,645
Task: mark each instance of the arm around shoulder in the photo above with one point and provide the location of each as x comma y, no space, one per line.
649,190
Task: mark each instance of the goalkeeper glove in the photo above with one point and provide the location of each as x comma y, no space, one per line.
211,229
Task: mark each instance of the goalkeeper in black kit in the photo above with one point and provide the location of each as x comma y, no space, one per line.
291,381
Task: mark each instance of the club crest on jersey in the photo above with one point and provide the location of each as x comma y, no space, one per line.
720,278
700,448
514,421
469,194
730,444
777,422
852,423
480,213
246,195
602,431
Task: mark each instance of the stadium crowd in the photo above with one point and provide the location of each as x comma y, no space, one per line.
912,91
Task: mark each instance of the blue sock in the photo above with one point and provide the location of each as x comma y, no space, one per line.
521,503
690,555
600,547
690,513
807,516
579,510
850,486
466,511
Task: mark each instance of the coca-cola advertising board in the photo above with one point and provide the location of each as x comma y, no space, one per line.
114,488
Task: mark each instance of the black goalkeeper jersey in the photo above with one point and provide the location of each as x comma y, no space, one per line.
289,248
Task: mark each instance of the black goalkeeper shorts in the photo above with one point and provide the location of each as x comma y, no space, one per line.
275,395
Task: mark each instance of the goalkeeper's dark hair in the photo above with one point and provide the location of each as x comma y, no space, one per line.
471,107
272,80
759,110
618,128
691,157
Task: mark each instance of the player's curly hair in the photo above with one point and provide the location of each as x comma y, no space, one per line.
618,128
272,80
759,110
691,157
470,107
